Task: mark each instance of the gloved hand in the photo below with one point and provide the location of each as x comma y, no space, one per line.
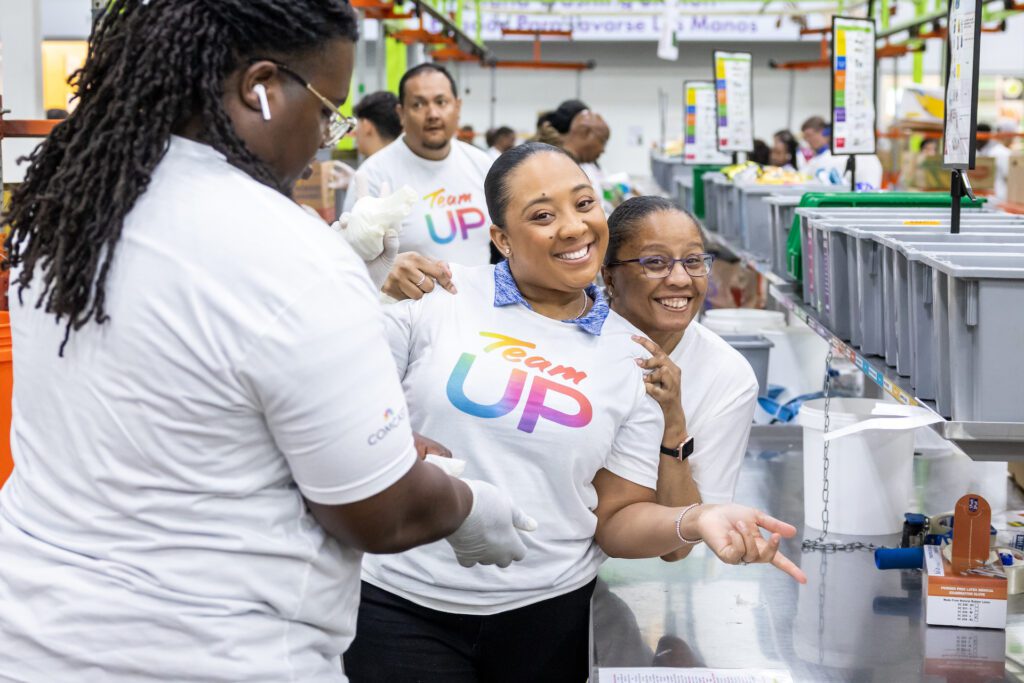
340,175
490,533
379,267
372,218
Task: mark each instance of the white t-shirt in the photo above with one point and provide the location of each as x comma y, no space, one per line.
1001,153
869,167
719,393
154,527
536,407
450,219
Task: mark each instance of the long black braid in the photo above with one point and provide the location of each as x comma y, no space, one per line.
152,66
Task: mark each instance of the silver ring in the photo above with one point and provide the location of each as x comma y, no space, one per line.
423,278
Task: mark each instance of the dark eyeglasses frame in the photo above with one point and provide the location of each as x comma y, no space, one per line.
705,260
338,124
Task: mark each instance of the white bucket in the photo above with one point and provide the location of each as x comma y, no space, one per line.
870,471
743,320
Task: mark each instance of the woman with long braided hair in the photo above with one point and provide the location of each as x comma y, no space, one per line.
208,427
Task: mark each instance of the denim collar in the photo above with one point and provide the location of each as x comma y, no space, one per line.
506,292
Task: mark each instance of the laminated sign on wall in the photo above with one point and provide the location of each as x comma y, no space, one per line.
853,86
701,133
962,84
734,91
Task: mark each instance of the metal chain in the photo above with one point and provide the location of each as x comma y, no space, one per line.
819,544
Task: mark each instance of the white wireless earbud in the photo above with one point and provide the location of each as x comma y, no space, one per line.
261,93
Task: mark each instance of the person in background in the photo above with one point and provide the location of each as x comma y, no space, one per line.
929,147
581,448
818,142
449,221
784,150
500,140
466,134
761,154
208,429
586,141
995,148
377,124
656,276
818,137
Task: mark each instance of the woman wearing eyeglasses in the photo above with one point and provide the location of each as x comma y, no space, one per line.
527,376
208,429
656,275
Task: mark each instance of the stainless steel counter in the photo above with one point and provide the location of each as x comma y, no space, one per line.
851,622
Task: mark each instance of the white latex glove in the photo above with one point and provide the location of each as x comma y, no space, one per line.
379,267
372,218
340,175
490,534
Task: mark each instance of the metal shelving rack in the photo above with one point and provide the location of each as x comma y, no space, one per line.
980,440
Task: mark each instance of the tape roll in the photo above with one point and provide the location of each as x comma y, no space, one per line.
1014,571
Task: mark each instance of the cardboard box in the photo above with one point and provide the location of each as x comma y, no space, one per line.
1016,468
314,192
961,600
1015,181
926,173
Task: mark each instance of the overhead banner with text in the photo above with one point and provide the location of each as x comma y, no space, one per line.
631,21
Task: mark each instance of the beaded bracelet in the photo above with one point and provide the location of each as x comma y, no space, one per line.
679,521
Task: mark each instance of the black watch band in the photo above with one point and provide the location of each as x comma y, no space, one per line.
680,452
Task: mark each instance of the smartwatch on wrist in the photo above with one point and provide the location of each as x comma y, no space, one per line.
680,452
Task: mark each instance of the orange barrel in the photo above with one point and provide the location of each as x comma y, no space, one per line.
6,386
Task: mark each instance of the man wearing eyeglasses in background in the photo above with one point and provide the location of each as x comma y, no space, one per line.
449,222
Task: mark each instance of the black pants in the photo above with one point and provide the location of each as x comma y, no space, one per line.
398,641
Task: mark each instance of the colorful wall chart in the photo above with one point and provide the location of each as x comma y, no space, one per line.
853,86
701,133
959,142
734,90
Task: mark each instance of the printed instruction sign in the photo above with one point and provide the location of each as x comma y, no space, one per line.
961,84
853,86
734,91
700,140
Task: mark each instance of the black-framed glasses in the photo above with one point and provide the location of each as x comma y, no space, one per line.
658,267
338,124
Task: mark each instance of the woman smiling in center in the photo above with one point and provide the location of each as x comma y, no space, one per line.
528,376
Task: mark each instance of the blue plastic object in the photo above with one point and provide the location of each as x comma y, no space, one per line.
899,558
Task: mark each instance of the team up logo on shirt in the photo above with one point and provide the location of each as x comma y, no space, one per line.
454,209
537,405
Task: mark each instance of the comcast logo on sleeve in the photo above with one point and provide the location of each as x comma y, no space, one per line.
391,420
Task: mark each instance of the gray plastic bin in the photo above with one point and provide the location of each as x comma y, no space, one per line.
684,192
783,209
728,210
858,285
915,310
829,240
815,264
756,349
896,260
755,216
979,331
711,189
